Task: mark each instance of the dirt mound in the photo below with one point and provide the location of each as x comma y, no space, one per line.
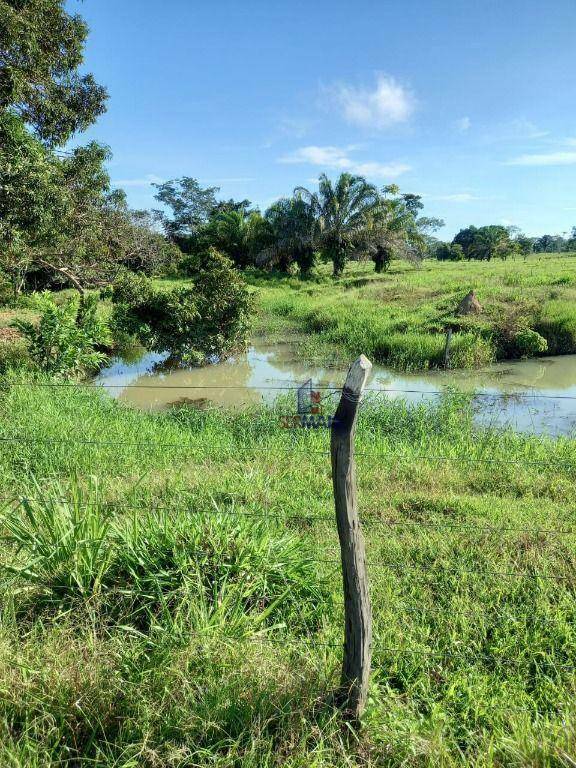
469,305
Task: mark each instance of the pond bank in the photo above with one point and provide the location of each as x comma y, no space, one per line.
529,395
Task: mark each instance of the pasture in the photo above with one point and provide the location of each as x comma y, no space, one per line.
400,317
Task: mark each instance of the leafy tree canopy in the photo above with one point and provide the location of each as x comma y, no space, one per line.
210,317
41,49
191,205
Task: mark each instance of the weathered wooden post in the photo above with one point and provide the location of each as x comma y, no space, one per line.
358,613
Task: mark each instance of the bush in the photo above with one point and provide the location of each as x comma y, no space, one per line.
557,324
193,322
66,338
529,343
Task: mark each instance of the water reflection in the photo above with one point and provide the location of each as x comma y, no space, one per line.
266,370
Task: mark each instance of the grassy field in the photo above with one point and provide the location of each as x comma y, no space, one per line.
174,599
401,317
170,591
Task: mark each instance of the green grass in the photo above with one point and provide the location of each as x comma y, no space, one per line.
160,605
400,318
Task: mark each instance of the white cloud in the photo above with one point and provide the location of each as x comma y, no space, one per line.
331,157
548,158
146,181
338,158
463,124
380,170
386,104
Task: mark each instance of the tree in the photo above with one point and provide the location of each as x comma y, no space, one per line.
465,238
549,244
484,243
209,317
525,244
449,252
41,49
144,248
226,206
342,211
293,227
394,228
191,206
236,235
60,224
571,242
32,198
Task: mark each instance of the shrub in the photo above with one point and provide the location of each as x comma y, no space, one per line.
193,322
557,324
66,338
529,343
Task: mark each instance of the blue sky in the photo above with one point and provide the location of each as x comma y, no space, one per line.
470,103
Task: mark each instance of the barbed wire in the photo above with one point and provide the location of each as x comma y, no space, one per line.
365,519
152,445
289,386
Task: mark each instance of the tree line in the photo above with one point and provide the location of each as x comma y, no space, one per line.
62,223
497,241
348,218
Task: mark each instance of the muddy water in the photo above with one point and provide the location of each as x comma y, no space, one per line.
265,370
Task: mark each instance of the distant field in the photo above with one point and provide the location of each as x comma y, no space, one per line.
401,317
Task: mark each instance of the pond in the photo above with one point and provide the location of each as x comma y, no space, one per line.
537,395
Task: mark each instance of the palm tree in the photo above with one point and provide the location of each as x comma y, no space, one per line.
342,211
391,227
239,236
293,227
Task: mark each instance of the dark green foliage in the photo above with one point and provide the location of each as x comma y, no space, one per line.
66,339
525,244
293,228
6,289
238,236
449,252
342,210
485,243
207,318
382,258
41,50
529,343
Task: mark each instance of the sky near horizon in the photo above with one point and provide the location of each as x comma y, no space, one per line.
469,103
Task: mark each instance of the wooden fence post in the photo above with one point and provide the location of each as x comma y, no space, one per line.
358,613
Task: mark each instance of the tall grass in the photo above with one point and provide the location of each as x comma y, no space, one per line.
401,317
186,609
